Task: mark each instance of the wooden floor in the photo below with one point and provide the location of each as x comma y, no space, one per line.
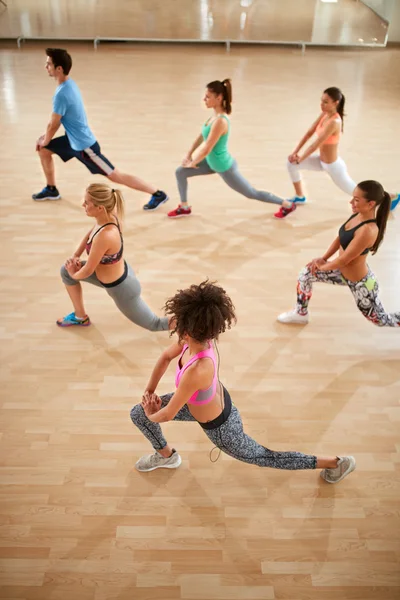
77,521
341,22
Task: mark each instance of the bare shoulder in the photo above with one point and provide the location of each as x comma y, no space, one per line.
220,124
369,231
202,368
109,232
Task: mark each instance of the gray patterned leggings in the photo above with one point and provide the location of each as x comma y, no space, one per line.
232,177
365,294
229,437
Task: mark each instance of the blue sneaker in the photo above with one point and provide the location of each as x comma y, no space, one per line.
47,194
395,202
298,199
71,319
156,200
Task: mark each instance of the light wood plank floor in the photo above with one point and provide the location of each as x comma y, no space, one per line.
343,22
76,520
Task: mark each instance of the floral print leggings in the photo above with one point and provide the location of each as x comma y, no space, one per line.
365,294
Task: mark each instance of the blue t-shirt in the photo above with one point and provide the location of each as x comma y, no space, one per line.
68,103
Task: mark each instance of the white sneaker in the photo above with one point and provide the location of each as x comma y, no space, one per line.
345,465
292,316
150,462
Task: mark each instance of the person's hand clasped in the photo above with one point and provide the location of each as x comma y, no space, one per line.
316,265
191,165
151,403
186,161
72,265
39,143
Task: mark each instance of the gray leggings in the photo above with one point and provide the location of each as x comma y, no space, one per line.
232,177
126,296
229,437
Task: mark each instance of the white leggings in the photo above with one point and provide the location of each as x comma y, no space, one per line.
336,170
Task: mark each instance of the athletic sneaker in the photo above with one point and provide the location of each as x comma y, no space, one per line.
156,200
292,316
47,193
150,462
71,319
284,212
298,199
180,212
345,466
395,202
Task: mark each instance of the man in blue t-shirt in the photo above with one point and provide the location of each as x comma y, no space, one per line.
78,141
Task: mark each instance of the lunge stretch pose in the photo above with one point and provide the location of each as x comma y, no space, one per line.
323,153
202,312
361,233
105,266
78,141
209,155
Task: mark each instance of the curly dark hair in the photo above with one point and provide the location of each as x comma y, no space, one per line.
201,311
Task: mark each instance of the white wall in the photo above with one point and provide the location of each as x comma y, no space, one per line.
389,10
394,27
384,8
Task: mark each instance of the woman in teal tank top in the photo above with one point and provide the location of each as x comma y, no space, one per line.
209,154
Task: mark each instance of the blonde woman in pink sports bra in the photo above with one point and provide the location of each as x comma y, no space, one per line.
200,314
323,153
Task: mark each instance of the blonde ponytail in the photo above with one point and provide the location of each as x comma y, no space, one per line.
110,199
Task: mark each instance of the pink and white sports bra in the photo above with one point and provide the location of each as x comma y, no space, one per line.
201,396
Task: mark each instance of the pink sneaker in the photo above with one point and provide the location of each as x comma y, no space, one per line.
284,212
180,212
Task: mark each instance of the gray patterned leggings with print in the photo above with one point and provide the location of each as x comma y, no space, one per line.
229,437
365,294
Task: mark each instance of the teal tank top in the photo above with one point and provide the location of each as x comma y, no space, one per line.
218,159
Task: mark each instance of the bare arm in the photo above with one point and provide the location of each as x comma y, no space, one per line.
191,381
194,146
307,136
52,127
317,263
327,131
162,365
218,128
82,246
100,245
363,238
333,248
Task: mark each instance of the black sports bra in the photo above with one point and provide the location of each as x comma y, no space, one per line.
346,235
108,259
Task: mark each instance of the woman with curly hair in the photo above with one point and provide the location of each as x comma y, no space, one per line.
201,313
362,232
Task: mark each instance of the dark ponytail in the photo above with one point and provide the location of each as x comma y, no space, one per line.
223,88
374,192
337,96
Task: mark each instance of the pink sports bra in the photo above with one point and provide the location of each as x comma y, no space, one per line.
201,396
107,259
333,139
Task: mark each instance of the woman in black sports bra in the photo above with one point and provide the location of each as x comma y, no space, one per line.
105,266
361,233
